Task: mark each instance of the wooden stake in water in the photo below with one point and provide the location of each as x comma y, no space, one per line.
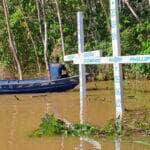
81,66
117,67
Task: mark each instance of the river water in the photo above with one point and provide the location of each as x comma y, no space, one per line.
21,114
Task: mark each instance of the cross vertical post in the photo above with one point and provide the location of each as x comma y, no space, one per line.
117,67
94,57
82,76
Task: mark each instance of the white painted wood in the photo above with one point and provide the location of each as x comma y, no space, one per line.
94,57
85,55
117,67
82,75
111,60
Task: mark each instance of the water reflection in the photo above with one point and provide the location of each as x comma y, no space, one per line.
81,147
12,125
118,144
62,143
48,104
95,144
83,140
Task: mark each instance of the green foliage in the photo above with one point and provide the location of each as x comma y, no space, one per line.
16,17
82,130
137,121
134,33
50,126
53,126
135,41
109,129
134,122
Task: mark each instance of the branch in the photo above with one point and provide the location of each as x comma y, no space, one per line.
30,36
106,15
131,9
40,20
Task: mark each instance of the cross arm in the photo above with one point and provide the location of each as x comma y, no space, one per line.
112,60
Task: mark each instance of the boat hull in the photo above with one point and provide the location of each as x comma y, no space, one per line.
37,85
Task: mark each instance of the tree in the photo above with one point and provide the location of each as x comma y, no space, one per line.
60,26
32,40
11,39
44,37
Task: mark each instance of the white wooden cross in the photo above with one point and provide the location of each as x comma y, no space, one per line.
94,57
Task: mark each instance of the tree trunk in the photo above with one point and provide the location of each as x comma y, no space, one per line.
40,20
131,9
106,15
45,39
34,45
11,40
35,49
60,27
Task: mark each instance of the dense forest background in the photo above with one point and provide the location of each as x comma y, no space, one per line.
32,31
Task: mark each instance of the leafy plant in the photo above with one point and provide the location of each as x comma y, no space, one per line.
53,126
135,122
50,126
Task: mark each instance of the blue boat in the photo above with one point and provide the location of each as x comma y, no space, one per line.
38,85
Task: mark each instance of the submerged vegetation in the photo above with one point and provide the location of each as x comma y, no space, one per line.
51,125
134,122
137,121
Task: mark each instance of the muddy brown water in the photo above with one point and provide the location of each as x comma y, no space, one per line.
21,114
